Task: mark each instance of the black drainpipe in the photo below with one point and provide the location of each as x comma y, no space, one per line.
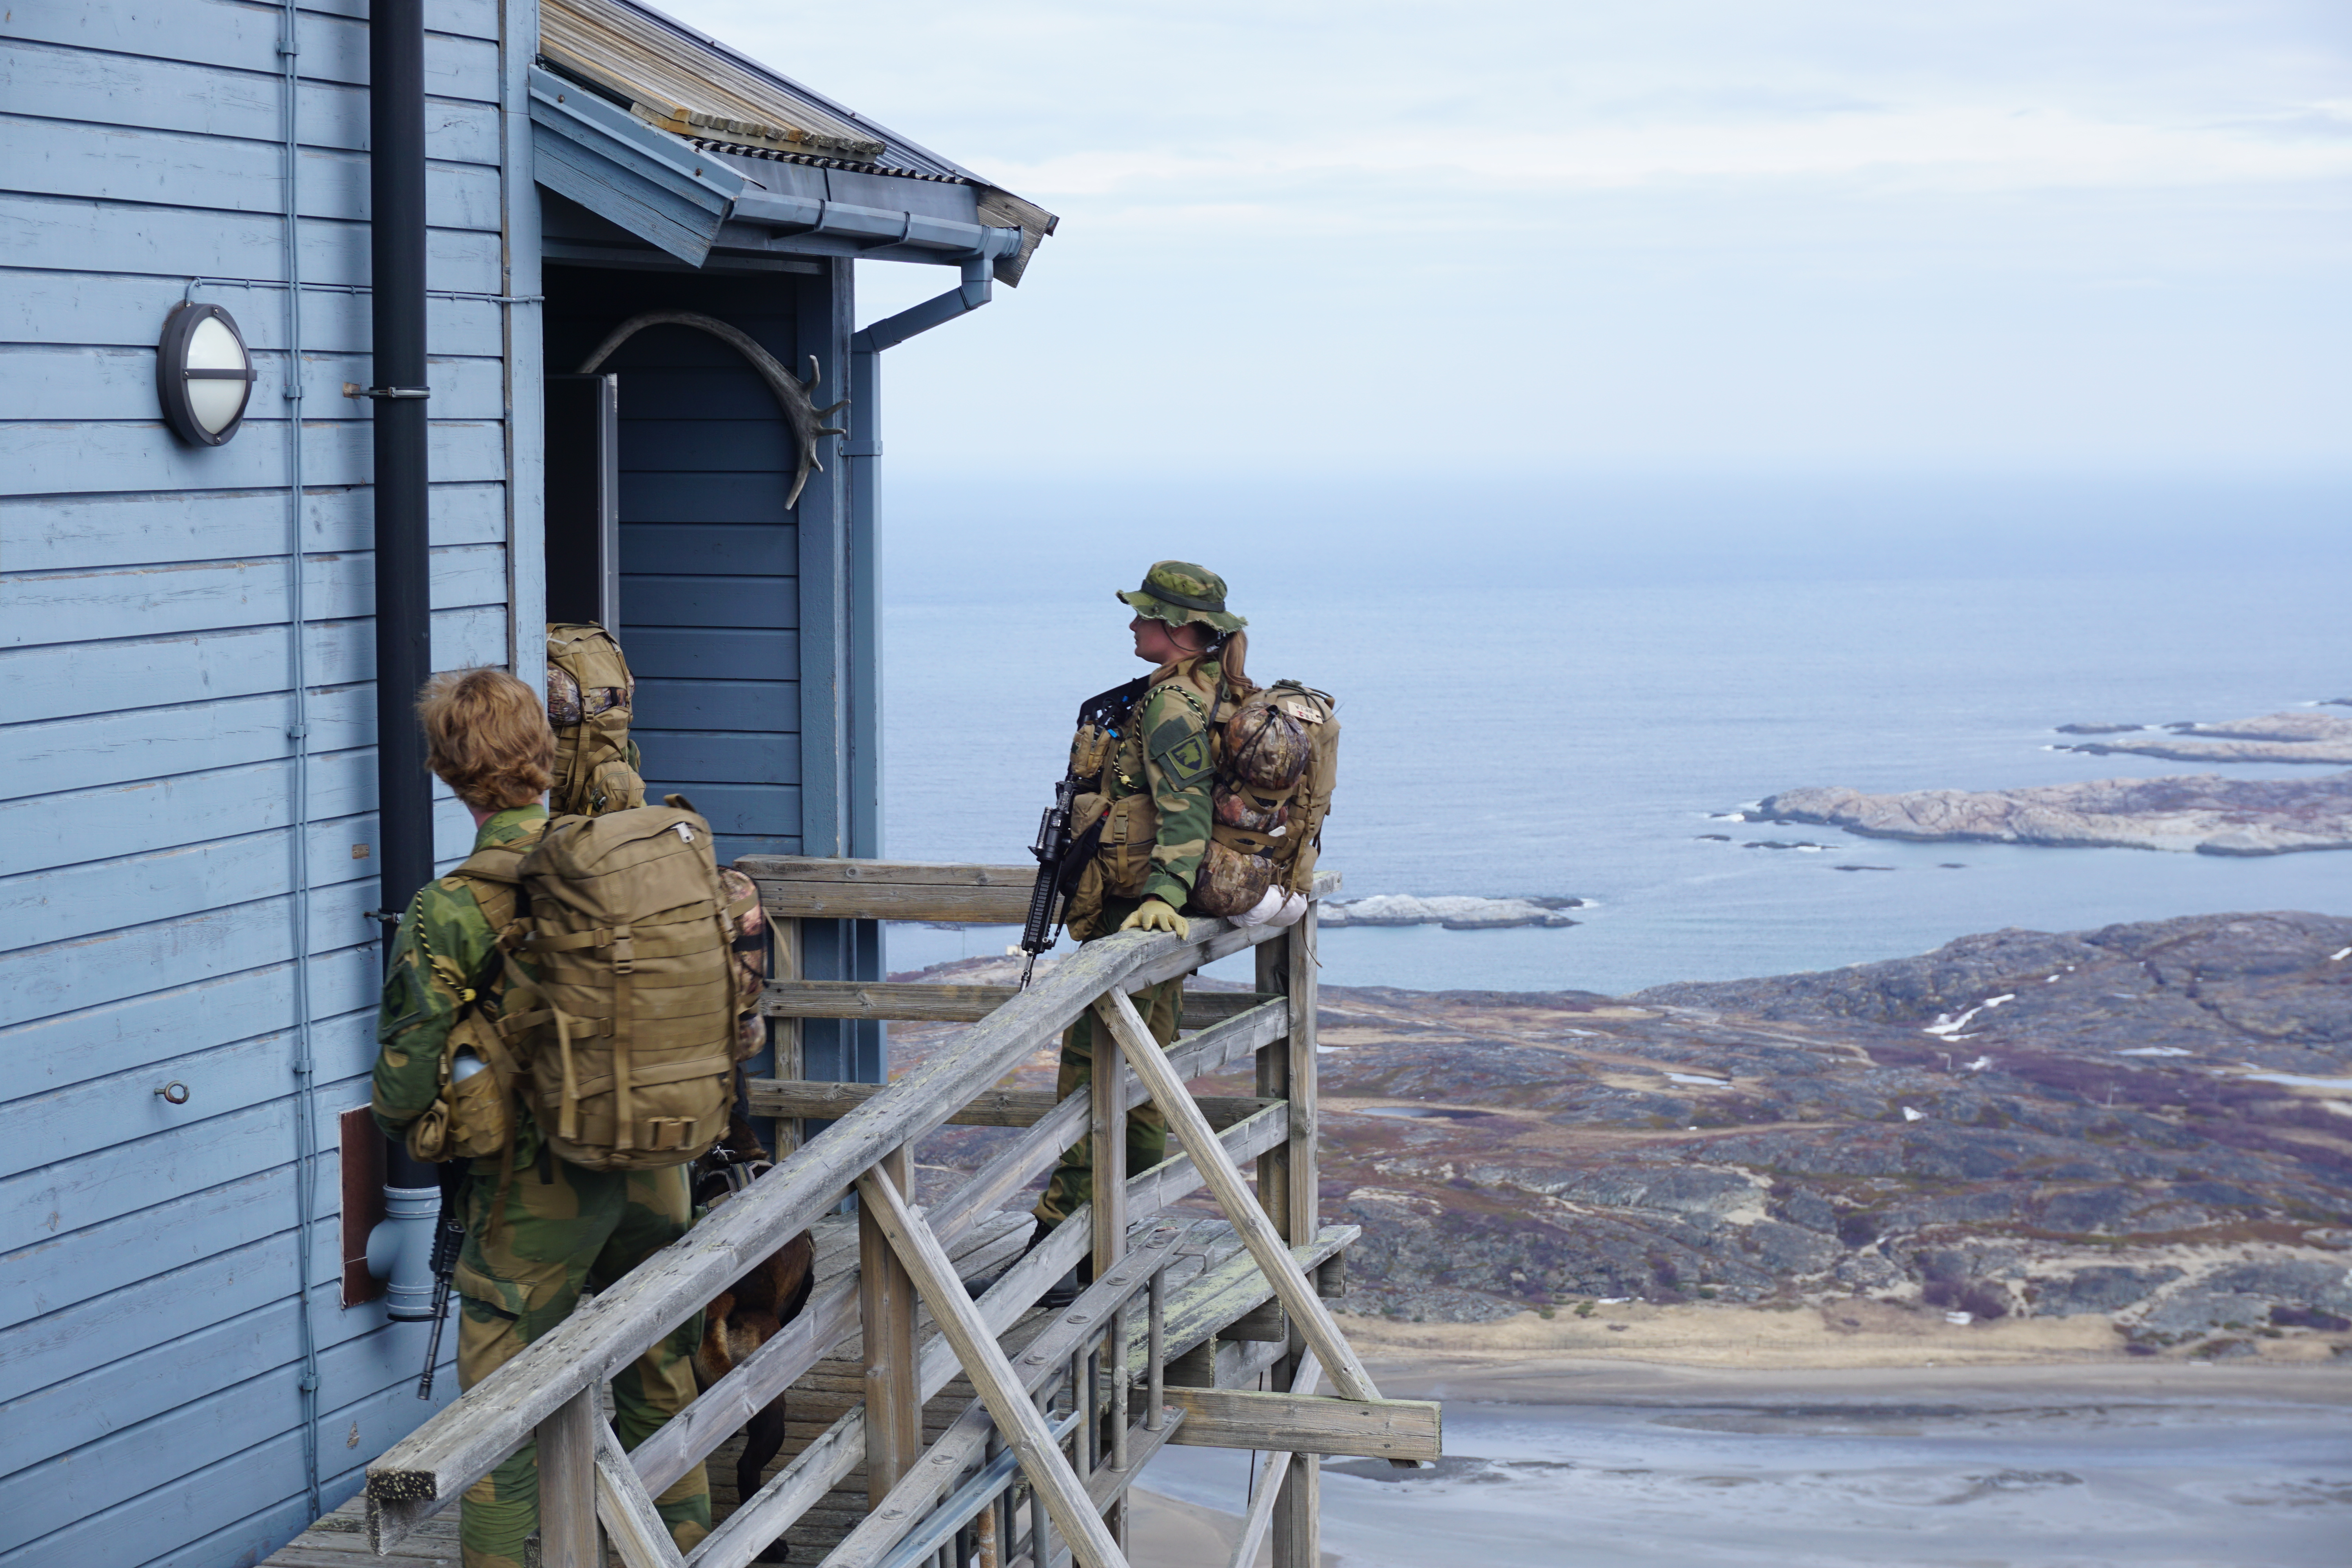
404,628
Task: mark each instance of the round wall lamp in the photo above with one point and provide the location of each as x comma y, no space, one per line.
204,373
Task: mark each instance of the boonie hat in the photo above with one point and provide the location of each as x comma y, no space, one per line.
1177,591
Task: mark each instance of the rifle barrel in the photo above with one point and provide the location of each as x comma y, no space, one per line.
433,1345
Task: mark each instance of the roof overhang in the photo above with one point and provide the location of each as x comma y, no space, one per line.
686,143
689,200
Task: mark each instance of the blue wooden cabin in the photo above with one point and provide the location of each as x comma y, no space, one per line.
191,1366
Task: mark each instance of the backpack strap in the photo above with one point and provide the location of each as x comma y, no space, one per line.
496,872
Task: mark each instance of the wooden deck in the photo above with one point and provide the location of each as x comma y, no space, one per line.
1002,1458
1210,1287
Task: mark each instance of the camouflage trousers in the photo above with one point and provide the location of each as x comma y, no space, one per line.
1147,1130
566,1228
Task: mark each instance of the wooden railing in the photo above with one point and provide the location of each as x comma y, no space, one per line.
1062,1417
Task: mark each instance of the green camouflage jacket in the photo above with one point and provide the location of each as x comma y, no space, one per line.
1166,750
443,939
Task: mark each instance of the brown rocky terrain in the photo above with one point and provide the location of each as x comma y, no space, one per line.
2149,1124
2204,813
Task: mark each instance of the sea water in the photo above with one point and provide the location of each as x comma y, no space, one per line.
1559,688
2179,1481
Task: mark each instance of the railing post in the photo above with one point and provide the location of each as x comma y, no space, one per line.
568,1534
1289,1187
1106,1122
1155,1355
790,1061
1106,1107
894,1396
986,1548
1299,982
1274,1083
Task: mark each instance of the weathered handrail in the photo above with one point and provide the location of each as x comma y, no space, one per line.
661,1458
942,1003
429,1469
784,1360
795,887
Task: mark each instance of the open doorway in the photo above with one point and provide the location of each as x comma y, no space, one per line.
584,500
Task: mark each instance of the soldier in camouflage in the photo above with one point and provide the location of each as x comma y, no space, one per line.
561,1228
1182,627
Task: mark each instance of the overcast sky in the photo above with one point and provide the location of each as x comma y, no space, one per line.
1832,235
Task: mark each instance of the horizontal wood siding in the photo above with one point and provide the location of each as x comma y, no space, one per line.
711,587
150,1304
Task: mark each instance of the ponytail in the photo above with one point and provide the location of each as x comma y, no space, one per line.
1231,655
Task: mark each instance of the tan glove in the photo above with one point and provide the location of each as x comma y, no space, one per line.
1154,915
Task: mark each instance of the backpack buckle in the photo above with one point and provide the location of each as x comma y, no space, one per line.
624,952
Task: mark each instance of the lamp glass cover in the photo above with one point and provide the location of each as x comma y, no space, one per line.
216,402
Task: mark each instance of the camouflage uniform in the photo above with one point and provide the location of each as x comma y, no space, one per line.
563,1228
1164,748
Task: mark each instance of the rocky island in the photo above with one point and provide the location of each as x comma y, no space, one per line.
2304,737
2203,812
2136,1140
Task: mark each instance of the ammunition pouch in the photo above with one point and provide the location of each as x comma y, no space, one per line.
474,1116
1081,911
1130,828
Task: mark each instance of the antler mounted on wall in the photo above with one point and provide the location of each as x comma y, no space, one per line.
801,412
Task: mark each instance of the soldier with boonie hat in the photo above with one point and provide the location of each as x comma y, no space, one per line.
1152,798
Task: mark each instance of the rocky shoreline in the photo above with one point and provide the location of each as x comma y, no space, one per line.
2202,812
2147,1123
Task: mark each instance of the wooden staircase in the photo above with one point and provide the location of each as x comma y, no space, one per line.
930,1425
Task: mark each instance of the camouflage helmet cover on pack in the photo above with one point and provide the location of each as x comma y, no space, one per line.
1178,591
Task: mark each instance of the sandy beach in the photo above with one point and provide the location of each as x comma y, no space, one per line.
2042,1462
1839,1333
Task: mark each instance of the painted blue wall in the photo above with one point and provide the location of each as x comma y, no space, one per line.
151,1287
150,1364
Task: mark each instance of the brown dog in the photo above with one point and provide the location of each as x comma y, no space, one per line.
751,1311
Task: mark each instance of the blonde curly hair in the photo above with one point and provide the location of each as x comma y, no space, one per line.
485,734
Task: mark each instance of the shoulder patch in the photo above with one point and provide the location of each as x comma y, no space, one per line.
1182,753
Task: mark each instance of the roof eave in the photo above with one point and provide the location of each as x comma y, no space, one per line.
999,206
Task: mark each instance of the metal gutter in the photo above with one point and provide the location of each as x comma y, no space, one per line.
869,228
689,200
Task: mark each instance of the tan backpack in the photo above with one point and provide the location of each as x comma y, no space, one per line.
589,695
626,1038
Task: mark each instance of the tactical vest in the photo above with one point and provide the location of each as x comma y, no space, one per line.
625,1041
589,695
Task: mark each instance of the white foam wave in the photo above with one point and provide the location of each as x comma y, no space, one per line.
1454,913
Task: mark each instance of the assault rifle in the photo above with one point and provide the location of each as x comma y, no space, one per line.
1062,855
449,1239
1053,852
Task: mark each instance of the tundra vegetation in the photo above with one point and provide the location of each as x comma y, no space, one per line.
2151,1123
